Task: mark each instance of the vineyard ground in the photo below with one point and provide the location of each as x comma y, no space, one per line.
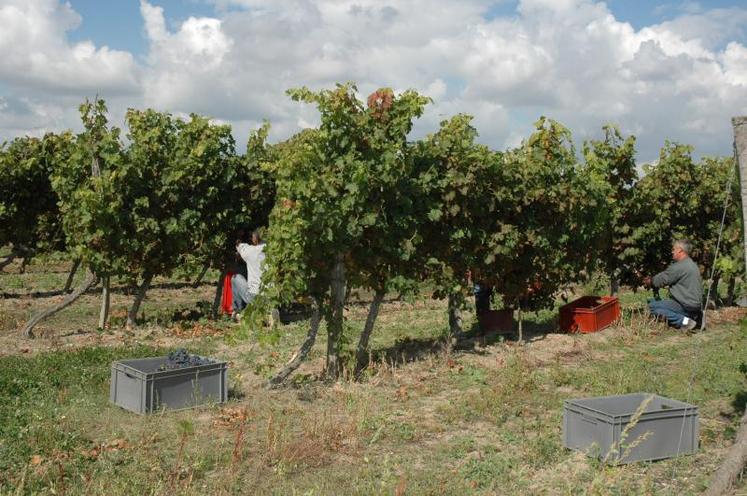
484,418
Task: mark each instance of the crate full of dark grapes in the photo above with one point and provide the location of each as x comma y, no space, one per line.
179,380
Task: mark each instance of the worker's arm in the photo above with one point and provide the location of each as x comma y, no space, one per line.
666,278
244,249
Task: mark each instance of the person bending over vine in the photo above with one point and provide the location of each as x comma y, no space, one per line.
684,306
245,289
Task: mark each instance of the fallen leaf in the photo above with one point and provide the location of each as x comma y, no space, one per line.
401,393
92,453
228,417
116,444
36,460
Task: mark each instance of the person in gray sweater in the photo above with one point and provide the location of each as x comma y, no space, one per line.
684,305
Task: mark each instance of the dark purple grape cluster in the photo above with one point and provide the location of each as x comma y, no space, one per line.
179,359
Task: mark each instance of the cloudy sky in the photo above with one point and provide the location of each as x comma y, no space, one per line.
674,70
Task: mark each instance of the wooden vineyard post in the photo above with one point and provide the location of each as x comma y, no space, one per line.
740,147
731,467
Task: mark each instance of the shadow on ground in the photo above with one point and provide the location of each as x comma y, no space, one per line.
473,340
120,289
38,294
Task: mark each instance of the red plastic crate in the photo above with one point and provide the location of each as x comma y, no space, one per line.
496,320
589,314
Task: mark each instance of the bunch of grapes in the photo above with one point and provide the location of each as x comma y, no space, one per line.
179,359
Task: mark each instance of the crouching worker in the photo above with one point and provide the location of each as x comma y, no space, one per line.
245,289
683,307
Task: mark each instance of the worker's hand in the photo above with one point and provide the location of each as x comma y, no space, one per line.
534,287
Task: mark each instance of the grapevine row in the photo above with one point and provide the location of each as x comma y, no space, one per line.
355,203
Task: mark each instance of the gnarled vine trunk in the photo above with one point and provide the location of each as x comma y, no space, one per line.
8,260
455,315
520,319
714,296
201,276
105,299
614,286
71,276
218,294
17,251
89,282
362,355
731,291
335,321
302,352
728,472
139,297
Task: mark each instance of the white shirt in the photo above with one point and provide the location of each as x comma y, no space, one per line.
254,256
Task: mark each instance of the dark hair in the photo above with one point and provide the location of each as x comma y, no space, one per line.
685,244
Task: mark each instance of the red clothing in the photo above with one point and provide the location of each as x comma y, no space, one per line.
226,302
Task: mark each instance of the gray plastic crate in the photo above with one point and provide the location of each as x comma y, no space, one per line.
596,425
139,386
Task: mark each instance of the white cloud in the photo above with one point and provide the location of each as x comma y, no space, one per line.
711,29
568,59
36,53
734,60
155,24
200,43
